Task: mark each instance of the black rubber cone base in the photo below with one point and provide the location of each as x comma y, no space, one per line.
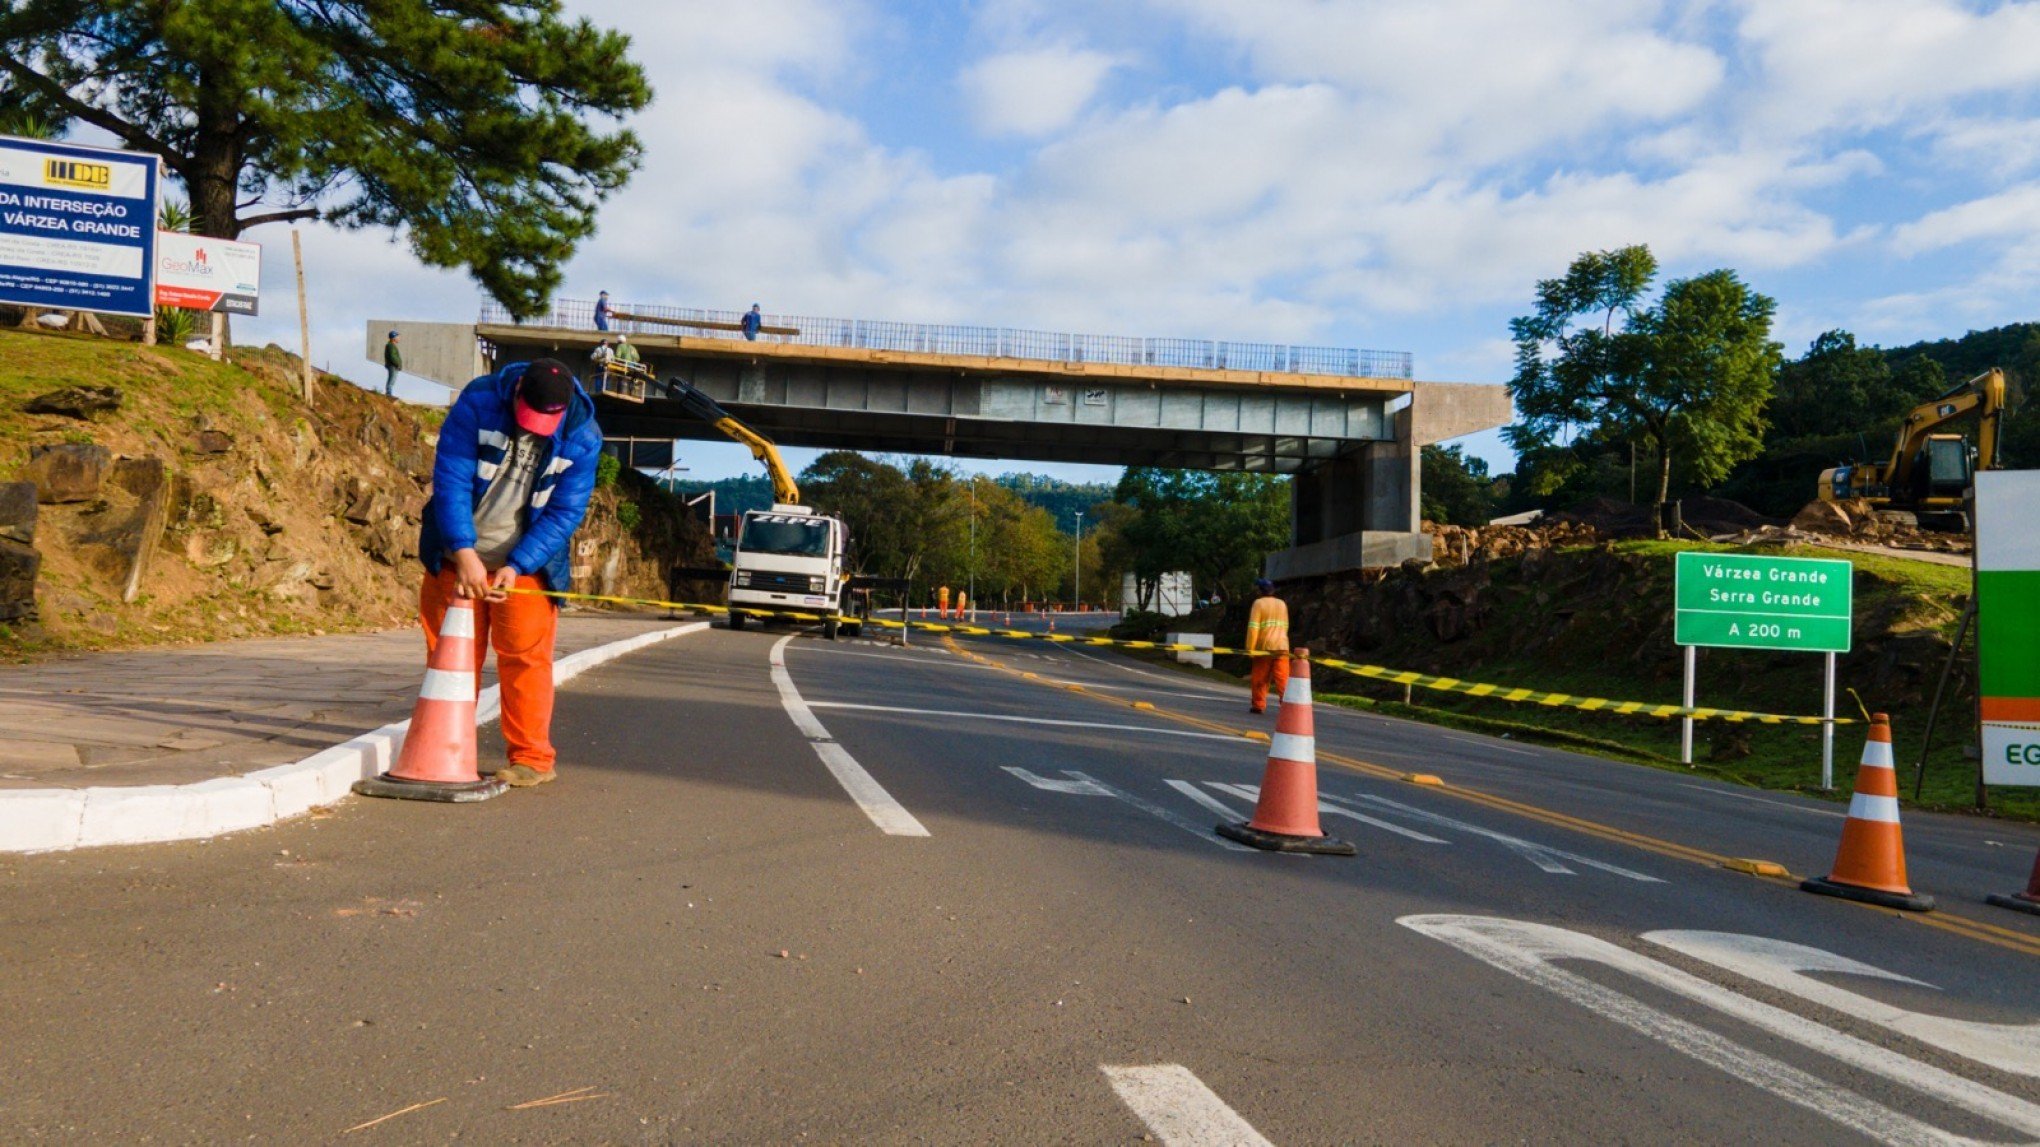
449,792
1877,896
1281,842
2018,902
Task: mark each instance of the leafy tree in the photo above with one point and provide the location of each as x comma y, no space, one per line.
471,127
1219,526
1688,376
1456,487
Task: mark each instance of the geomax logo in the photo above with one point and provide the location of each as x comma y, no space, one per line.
196,265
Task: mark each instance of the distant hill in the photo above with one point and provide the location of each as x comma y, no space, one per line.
1061,499
732,495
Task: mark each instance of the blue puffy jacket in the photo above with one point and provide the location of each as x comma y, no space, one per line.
472,444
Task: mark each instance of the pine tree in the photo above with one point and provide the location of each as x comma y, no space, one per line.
484,132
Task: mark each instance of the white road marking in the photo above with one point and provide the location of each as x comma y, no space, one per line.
1206,799
1081,784
1764,800
1529,951
1778,964
1179,1109
1542,855
888,814
1072,788
962,716
1253,793
1488,743
1214,690
898,658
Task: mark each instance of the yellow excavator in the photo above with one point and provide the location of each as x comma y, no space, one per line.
1929,474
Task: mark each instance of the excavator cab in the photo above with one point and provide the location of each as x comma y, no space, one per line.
1944,470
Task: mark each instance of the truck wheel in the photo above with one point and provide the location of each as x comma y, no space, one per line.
736,620
830,627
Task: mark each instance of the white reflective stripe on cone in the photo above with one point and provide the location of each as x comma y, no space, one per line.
447,685
458,623
1292,747
1863,806
1877,753
1297,692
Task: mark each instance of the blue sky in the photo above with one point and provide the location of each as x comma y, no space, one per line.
1370,173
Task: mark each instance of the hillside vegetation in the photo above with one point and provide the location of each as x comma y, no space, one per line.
248,511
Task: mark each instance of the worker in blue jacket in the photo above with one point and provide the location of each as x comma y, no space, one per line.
510,483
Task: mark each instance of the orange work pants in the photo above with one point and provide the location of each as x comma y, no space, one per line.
520,628
1267,671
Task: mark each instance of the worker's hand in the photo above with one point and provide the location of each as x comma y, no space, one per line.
502,583
471,577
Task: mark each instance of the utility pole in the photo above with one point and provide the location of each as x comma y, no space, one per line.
304,322
1077,569
972,576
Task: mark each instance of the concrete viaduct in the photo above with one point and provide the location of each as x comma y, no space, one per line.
1346,424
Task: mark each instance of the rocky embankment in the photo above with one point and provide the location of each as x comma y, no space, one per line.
159,496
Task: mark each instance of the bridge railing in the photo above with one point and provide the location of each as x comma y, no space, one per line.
992,342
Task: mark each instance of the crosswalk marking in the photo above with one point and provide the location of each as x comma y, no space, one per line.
1179,1109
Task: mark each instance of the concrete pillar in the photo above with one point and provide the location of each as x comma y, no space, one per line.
1393,486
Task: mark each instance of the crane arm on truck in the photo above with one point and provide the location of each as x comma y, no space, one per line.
1984,394
699,405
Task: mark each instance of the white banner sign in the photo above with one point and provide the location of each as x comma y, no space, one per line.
201,274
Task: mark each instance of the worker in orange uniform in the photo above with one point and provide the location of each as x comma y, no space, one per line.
1268,632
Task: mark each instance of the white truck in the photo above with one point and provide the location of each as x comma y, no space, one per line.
789,561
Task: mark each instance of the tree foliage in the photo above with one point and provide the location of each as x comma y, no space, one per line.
1218,526
1689,375
482,131
1457,489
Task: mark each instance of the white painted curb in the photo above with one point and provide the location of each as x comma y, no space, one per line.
46,820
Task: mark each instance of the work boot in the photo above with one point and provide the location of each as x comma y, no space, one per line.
524,776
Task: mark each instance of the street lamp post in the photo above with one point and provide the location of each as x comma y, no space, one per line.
1077,576
973,549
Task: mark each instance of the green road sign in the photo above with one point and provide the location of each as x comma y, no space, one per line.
1748,601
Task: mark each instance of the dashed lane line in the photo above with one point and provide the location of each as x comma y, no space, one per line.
1253,793
1179,1109
960,715
1765,800
889,815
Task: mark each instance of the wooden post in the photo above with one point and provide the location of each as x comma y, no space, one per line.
149,331
297,254
219,336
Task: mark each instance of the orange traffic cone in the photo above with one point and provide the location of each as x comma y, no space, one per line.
1870,865
437,762
1286,816
2027,901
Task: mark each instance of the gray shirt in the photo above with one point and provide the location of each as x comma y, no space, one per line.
506,505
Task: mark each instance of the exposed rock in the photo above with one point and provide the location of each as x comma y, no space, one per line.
19,564
67,471
75,401
17,512
120,538
211,442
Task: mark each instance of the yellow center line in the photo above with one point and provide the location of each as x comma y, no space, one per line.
1953,923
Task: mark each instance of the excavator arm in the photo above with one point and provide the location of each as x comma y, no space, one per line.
1985,394
699,405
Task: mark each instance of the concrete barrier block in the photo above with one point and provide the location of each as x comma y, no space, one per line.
40,820
230,804
1189,658
140,815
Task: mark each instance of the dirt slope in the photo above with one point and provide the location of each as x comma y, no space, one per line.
252,512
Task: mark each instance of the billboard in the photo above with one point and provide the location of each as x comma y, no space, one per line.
2008,625
198,273
77,227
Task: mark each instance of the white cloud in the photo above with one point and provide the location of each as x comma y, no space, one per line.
2013,215
1032,93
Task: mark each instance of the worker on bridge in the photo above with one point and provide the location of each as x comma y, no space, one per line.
1268,632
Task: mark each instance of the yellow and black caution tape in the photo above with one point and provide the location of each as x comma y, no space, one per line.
1372,672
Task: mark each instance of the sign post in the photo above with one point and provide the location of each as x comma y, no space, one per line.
77,227
2008,625
1753,601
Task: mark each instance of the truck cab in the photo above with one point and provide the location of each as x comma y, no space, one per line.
789,561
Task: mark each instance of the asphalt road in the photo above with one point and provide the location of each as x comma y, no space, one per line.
868,894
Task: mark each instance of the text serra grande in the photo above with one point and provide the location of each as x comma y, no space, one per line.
1766,595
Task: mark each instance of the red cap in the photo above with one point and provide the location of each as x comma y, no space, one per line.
542,397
